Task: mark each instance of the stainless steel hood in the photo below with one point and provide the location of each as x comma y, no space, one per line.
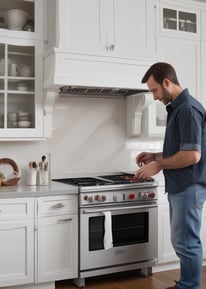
98,91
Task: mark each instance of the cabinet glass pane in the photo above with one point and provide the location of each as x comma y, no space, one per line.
169,19
1,110
22,18
21,61
2,84
21,111
21,87
2,59
187,22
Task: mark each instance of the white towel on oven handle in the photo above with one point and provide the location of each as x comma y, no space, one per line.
108,238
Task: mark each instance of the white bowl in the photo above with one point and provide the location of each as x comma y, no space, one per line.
16,19
24,123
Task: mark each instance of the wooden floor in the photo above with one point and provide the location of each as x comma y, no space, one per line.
131,280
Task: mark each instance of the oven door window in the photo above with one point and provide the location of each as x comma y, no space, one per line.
127,229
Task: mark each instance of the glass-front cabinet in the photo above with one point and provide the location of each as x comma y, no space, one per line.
20,90
180,20
21,69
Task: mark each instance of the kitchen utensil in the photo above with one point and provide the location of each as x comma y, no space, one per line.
16,19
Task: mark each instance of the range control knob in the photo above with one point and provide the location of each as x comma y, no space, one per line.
103,198
131,196
90,199
151,195
97,198
145,196
140,195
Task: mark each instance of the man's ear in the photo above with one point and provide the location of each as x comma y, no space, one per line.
166,82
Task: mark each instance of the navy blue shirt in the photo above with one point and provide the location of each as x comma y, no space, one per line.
186,130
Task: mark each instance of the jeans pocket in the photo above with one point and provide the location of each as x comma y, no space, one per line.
200,197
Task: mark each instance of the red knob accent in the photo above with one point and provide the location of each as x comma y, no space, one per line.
97,198
131,196
151,195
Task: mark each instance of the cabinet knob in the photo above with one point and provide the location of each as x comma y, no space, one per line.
110,47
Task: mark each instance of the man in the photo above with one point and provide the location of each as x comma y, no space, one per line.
183,162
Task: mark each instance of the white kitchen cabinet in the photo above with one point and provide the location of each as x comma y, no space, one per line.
116,28
180,19
34,27
154,120
166,253
184,55
17,241
21,73
21,88
57,233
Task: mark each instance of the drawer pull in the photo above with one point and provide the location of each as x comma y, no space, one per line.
57,206
64,220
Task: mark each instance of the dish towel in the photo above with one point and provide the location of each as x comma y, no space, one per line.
108,239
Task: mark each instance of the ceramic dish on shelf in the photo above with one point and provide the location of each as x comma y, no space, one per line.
24,123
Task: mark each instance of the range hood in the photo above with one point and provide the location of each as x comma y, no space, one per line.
70,74
97,91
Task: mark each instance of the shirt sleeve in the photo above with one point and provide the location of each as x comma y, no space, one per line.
190,128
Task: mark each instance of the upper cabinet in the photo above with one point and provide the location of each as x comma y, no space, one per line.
116,28
21,69
23,19
180,20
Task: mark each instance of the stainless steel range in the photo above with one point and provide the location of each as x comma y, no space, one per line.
117,224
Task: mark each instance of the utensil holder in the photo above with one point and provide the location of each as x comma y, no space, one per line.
43,178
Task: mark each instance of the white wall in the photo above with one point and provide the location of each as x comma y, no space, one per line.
88,136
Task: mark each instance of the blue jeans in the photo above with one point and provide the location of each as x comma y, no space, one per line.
185,221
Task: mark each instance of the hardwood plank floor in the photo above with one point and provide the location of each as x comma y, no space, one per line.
132,280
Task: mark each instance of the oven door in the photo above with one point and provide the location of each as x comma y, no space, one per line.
134,233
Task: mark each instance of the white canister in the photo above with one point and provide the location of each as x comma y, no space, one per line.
31,177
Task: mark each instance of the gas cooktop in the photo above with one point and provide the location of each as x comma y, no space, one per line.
105,180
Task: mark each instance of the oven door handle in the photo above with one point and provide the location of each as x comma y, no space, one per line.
90,211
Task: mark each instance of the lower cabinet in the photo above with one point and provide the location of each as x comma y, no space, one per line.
39,239
166,252
57,256
17,241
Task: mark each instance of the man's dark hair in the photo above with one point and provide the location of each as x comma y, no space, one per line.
160,71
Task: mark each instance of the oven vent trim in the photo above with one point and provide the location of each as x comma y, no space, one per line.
88,91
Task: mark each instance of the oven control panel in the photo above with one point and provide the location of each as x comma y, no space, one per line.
120,196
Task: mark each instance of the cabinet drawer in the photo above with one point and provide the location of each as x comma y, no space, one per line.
16,208
57,205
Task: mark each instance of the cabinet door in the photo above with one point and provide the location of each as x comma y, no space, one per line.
134,28
184,55
28,24
166,252
16,252
78,28
115,28
21,89
57,248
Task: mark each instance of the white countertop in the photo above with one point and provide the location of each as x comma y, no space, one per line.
54,188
